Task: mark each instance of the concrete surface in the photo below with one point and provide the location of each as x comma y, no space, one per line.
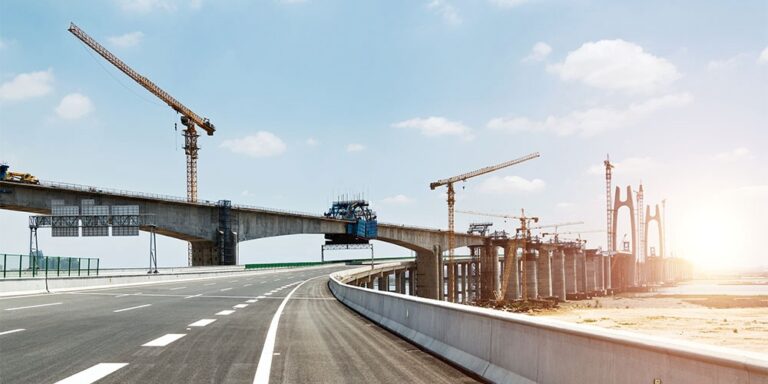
511,348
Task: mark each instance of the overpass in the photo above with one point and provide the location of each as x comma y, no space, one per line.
199,223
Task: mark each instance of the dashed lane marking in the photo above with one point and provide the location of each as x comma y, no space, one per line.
131,308
202,323
92,374
162,341
31,306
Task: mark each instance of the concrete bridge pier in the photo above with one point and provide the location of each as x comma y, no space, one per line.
570,271
581,271
591,279
558,273
489,274
531,280
428,276
544,275
511,261
412,281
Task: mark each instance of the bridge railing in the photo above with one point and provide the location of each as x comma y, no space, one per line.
24,266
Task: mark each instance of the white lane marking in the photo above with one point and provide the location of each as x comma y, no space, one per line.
173,289
11,331
210,284
226,312
251,301
247,285
261,297
128,309
240,306
31,306
162,341
265,361
268,293
233,281
198,295
92,374
202,323
225,289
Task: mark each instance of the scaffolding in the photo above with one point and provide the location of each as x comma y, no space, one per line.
227,236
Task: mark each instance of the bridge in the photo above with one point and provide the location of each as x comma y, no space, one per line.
199,223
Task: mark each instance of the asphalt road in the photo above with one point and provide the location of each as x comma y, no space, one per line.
205,331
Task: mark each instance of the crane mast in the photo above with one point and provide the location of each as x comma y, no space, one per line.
451,203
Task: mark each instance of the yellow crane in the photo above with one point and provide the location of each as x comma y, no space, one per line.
451,202
188,118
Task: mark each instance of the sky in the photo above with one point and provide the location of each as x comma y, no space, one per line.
314,99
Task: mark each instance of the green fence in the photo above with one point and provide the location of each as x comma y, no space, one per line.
18,266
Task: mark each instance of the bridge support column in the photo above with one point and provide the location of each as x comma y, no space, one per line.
544,269
464,273
428,276
591,275
384,282
204,253
531,283
570,270
489,274
513,284
558,274
581,271
412,281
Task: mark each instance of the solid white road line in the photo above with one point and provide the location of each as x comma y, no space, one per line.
92,374
162,341
240,306
251,301
31,306
265,361
198,295
202,323
261,297
225,312
268,293
225,289
128,309
173,289
11,331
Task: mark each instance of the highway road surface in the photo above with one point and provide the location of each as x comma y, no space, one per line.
277,327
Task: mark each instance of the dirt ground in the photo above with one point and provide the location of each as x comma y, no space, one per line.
739,322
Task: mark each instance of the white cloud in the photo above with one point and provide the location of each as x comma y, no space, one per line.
74,106
763,59
734,155
447,11
564,205
397,200
616,65
631,166
262,144
354,147
147,6
591,121
507,3
539,52
510,184
312,142
127,40
437,126
27,85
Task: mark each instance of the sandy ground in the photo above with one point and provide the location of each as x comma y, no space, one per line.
739,322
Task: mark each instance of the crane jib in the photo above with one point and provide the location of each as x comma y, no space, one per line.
177,106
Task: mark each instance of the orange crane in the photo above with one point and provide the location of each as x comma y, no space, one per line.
523,235
451,202
188,118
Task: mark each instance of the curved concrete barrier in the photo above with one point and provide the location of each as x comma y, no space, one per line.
510,348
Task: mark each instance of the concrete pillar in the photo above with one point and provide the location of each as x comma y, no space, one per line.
544,272
412,281
590,280
489,274
600,268
581,270
513,275
398,277
204,253
383,281
607,272
455,270
558,273
531,280
463,268
428,273
570,270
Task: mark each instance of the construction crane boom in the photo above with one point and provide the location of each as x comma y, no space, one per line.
451,202
203,123
555,226
482,171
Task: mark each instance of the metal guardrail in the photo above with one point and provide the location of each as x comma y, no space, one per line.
24,266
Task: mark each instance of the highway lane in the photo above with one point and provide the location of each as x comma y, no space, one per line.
184,332
320,340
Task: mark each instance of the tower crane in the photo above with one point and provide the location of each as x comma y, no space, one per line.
557,234
188,118
452,200
523,234
558,225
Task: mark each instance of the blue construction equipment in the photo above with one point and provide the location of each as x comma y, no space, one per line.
363,223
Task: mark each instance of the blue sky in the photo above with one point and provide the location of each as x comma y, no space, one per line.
316,98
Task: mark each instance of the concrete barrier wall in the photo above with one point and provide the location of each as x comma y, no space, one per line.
510,348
